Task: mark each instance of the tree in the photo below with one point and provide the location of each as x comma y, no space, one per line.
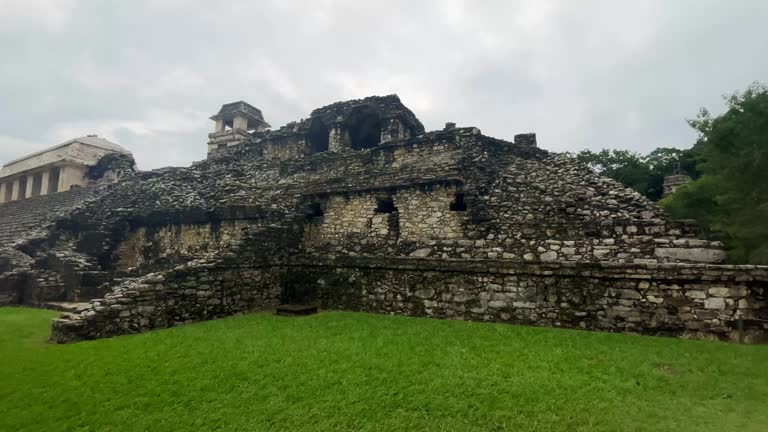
731,197
627,167
644,174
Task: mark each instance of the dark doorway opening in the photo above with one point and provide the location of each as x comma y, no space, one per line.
8,192
313,212
37,184
364,128
23,187
53,180
458,203
385,205
318,136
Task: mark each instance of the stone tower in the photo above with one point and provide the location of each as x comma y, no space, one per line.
673,182
234,122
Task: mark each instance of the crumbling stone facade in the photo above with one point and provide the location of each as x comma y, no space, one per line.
359,208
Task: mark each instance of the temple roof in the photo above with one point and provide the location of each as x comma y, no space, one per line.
386,106
230,109
68,151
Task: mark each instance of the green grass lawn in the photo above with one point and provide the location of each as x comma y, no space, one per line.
352,371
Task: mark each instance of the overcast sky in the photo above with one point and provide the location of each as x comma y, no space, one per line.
147,74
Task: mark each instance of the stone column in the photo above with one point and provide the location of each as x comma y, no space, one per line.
15,194
71,175
337,140
46,178
63,186
394,129
2,192
219,125
240,122
30,185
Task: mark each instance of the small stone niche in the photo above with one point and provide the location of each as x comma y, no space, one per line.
385,205
318,137
313,212
458,203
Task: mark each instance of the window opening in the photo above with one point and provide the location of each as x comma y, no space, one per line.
385,205
458,203
313,212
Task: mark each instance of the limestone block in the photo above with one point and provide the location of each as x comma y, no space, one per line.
461,298
548,256
421,253
601,253
424,293
529,257
691,254
714,303
497,304
728,292
626,294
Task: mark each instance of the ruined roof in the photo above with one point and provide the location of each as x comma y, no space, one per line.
67,151
387,107
239,107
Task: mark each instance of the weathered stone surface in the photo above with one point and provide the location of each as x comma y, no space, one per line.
424,293
728,292
396,220
696,255
548,256
714,303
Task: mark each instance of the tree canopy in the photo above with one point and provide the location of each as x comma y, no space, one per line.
729,165
731,196
643,173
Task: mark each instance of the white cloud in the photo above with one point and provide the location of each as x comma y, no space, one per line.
587,74
13,147
24,15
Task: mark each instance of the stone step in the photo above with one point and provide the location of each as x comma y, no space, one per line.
296,309
18,218
66,306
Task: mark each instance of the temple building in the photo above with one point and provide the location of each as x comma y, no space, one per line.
56,169
358,207
672,182
234,124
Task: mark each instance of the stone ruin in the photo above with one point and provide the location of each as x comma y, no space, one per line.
359,208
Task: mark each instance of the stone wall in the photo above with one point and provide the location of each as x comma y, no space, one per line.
13,280
659,299
667,299
245,276
427,214
446,223
193,292
19,219
169,245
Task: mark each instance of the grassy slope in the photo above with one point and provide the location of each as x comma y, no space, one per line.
348,371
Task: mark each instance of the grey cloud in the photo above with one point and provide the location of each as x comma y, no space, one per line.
586,74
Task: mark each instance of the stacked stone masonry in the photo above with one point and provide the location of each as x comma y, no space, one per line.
359,208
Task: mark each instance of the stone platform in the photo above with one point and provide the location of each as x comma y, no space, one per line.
296,310
66,306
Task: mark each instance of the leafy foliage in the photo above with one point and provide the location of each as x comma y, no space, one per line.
643,173
729,165
731,197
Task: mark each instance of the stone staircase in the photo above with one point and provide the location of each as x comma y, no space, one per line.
70,307
19,218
